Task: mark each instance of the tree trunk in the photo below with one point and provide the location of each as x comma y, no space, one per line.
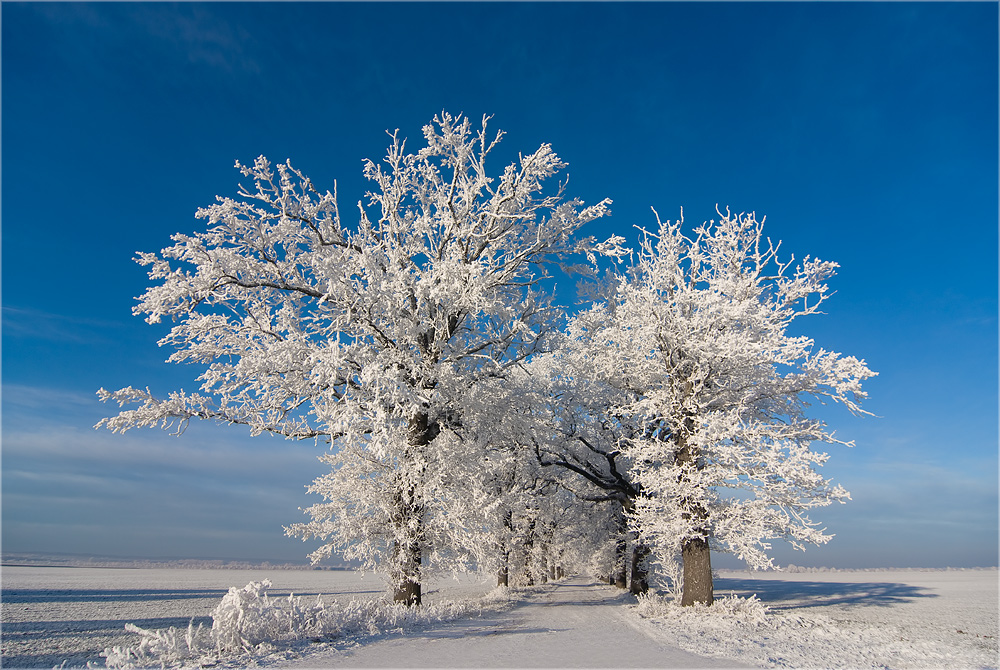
540,563
620,575
408,594
529,553
410,511
407,558
639,582
407,589
503,573
695,553
698,587
619,571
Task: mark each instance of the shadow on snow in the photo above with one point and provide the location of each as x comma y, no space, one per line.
780,594
141,595
53,641
47,643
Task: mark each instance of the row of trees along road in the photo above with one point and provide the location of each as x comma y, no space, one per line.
472,422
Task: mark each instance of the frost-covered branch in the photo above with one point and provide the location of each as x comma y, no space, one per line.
693,351
373,335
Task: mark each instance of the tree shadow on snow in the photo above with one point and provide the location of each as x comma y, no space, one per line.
793,594
477,629
105,595
25,596
48,644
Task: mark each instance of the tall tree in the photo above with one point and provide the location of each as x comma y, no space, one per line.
577,431
367,335
695,335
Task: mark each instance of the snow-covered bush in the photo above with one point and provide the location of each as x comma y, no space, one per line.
735,609
166,648
247,617
248,622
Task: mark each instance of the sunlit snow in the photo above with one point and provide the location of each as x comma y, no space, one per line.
859,619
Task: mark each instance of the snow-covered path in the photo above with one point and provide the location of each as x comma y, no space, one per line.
576,623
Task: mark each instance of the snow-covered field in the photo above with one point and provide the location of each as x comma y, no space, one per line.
899,619
51,615
862,619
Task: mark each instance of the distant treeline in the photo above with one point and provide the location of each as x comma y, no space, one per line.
792,568
45,560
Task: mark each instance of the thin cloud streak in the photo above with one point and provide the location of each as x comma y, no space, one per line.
39,325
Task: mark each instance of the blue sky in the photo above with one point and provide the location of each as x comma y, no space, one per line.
866,133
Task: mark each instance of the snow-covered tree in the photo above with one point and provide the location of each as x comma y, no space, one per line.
371,335
694,339
530,511
577,431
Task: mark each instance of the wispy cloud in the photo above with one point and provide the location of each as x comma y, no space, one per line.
202,35
149,492
39,397
230,453
52,326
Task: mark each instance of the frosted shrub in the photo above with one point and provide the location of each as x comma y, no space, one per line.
248,621
244,617
162,647
247,617
750,611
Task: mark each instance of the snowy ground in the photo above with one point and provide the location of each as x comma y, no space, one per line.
879,619
51,615
905,619
573,623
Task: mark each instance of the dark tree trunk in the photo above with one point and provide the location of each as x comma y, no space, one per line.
503,573
698,587
619,571
407,552
639,582
696,553
529,553
542,559
408,559
620,575
407,589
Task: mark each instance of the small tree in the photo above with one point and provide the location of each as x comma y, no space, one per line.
695,337
368,336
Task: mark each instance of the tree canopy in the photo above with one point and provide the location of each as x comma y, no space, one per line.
471,419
